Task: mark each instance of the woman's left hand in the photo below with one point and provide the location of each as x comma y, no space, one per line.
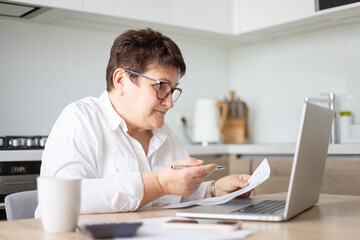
231,183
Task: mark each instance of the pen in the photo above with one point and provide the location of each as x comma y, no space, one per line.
186,166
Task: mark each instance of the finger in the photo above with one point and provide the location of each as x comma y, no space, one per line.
188,161
243,181
198,174
204,170
201,169
243,184
245,177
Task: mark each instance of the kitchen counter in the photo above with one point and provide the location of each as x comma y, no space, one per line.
349,150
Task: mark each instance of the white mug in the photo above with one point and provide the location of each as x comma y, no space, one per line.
59,201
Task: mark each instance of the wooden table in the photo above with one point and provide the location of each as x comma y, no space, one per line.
335,217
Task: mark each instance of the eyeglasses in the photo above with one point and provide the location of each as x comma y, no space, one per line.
163,88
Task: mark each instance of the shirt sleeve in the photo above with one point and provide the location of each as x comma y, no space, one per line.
70,151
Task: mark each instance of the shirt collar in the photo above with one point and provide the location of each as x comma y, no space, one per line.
113,118
158,138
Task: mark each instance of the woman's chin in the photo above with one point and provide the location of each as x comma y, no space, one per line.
158,123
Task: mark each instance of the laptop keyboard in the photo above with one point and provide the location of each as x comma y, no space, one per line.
264,207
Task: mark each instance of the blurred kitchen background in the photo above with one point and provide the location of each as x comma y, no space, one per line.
271,53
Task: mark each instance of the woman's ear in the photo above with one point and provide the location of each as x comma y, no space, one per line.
118,79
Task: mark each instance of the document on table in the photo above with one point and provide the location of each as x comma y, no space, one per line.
261,174
151,229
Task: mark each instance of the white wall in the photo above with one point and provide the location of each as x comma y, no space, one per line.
45,67
207,75
274,77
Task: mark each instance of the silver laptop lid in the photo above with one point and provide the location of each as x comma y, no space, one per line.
309,159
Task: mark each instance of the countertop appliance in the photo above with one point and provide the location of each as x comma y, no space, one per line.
22,142
206,121
20,160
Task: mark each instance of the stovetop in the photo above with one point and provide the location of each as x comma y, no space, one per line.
21,142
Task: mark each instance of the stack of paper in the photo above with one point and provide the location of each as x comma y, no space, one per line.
151,229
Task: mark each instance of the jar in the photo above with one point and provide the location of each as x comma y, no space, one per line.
345,127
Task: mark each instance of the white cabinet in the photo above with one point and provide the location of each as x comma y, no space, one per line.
229,22
206,15
258,14
152,11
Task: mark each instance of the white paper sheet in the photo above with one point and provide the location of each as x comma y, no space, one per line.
261,174
152,229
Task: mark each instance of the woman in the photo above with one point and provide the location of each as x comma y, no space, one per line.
119,143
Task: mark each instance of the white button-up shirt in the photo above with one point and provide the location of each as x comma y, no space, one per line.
90,140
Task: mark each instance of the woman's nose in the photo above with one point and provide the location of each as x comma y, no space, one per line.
168,102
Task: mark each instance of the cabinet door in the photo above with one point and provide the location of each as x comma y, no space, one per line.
142,10
209,15
258,14
340,177
279,178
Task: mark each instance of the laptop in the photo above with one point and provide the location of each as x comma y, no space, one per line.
305,181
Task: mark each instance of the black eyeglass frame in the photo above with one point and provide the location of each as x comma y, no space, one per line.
160,83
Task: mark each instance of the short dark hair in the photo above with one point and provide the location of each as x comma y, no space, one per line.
138,50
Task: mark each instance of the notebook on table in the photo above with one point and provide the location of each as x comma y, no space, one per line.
305,180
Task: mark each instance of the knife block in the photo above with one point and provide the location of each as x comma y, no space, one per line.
235,129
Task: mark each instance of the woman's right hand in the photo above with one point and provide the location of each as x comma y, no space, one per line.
185,181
